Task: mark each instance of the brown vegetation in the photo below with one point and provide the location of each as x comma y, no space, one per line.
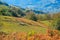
50,35
32,22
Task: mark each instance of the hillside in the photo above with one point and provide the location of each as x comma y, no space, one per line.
24,29
24,24
12,24
13,20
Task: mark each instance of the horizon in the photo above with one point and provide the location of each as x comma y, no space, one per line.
43,5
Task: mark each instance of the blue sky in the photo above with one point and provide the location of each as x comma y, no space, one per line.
44,5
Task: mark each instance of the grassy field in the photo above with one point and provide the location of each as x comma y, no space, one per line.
48,23
11,24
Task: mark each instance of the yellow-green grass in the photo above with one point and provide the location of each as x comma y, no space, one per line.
11,24
47,22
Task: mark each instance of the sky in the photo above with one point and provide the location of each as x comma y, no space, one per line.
44,5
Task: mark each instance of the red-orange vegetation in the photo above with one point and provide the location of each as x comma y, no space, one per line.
50,35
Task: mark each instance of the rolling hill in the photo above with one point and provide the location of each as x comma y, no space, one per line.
12,20
13,24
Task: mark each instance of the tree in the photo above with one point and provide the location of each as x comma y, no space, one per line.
16,12
56,24
33,17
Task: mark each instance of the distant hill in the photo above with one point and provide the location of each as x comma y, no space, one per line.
38,12
35,11
10,10
3,3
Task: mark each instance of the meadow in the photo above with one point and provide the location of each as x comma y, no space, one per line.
11,24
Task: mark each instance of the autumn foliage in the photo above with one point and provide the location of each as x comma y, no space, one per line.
50,35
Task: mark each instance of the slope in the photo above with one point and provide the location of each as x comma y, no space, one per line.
13,24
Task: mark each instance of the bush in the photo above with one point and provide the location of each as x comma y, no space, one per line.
33,17
56,24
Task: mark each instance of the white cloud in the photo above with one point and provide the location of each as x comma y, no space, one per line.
30,6
52,1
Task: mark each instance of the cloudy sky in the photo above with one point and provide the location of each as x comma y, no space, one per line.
44,5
